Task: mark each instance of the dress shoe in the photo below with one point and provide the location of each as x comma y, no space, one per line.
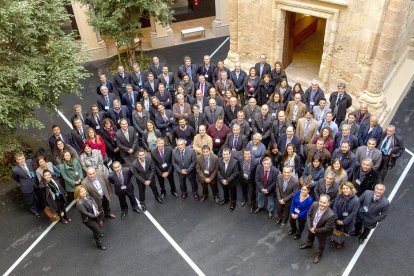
68,218
184,196
278,221
317,258
282,225
143,207
257,210
223,202
64,221
232,206
290,232
361,240
162,195
204,198
354,234
174,194
112,216
244,202
100,223
136,210
123,214
102,247
251,210
216,199
101,235
305,245
196,197
159,200
296,237
270,215
36,214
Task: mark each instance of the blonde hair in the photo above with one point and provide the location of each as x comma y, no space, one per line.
78,190
349,185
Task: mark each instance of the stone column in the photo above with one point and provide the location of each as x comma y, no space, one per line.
220,26
161,36
233,55
90,39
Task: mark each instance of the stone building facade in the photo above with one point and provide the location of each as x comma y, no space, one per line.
364,42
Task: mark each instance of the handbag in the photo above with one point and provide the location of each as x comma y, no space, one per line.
52,215
338,233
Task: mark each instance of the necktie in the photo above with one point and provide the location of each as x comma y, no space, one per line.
246,167
132,100
97,119
162,155
26,169
339,99
121,178
126,135
306,128
82,134
384,147
202,89
182,156
196,123
207,164
139,78
107,100
81,118
266,176
235,142
369,153
285,183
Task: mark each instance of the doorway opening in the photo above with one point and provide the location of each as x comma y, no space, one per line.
303,44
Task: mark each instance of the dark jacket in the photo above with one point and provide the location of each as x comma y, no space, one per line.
270,185
364,183
377,211
345,209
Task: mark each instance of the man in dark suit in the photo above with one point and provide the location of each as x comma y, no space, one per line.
362,114
286,187
121,79
164,96
184,162
98,187
320,150
24,174
230,111
247,178
213,95
392,147
104,82
346,156
206,69
369,151
370,130
235,141
320,222
262,67
199,100
79,134
266,176
168,79
228,175
156,67
340,102
57,134
262,124
213,111
345,135
127,141
162,158
189,68
313,95
77,108
164,120
105,101
138,78
143,169
279,126
219,70
373,208
119,112
121,178
95,118
244,125
238,77
203,86
151,85
289,138
196,118
353,125
328,186
364,177
206,167
130,98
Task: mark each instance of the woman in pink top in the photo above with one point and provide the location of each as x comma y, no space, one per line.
96,141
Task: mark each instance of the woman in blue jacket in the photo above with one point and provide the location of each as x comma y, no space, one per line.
299,208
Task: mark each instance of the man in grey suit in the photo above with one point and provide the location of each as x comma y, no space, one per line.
24,174
266,176
369,151
127,141
99,188
286,187
167,78
228,176
143,169
213,111
207,172
184,162
319,111
373,208
320,222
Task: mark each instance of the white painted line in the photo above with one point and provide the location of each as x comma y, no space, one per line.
409,152
64,118
173,243
28,250
221,45
391,196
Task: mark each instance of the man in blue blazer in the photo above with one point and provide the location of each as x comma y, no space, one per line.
105,101
345,135
164,120
130,99
370,130
119,112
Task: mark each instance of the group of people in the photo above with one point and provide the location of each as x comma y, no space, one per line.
303,158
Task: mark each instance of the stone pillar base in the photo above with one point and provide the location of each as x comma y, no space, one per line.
220,30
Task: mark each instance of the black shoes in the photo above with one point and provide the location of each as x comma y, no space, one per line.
317,258
290,232
174,194
123,214
36,214
159,200
143,207
196,197
223,202
305,245
232,206
244,202
296,237
251,210
216,199
282,225
361,240
184,196
204,198
136,210
102,247
278,221
162,195
257,210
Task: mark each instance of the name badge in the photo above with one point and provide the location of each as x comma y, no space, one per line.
245,175
312,103
106,107
345,214
217,140
119,121
358,182
164,165
273,114
233,149
123,187
206,76
365,208
297,211
250,120
206,172
98,127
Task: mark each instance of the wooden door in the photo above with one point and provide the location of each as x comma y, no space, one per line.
288,38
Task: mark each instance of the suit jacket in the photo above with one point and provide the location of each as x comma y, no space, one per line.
188,163
251,174
250,114
65,137
319,94
165,99
82,118
377,211
217,74
219,100
127,175
290,109
144,174
138,83
320,189
176,111
220,89
278,129
202,120
27,183
108,84
211,119
343,105
207,86
396,149
376,156
116,117
291,188
125,145
262,125
126,100
241,142
231,115
162,164
312,130
204,103
90,120
232,172
354,127
147,86
238,82
353,141
100,100
182,70
84,206
362,184
281,142
212,168
78,140
121,82
162,125
90,188
171,84
318,114
156,71
266,69
208,73
311,151
270,185
325,224
362,118
363,137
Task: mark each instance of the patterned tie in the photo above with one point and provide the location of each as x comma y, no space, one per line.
132,100
121,178
285,183
182,156
235,142
384,147
266,175
207,164
196,123
107,100
306,128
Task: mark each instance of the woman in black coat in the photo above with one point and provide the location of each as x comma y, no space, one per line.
266,88
278,73
55,196
345,208
251,85
108,134
140,118
286,91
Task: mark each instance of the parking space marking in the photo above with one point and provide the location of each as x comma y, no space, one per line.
64,118
394,191
218,48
